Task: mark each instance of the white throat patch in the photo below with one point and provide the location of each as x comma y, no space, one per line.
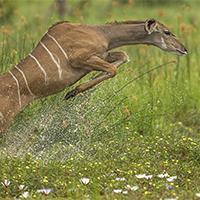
164,46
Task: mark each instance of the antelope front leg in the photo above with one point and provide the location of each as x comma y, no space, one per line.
117,58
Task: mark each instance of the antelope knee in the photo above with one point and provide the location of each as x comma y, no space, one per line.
124,57
113,72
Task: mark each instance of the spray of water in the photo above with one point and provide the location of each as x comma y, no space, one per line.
89,117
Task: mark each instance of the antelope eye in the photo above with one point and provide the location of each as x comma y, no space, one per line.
167,32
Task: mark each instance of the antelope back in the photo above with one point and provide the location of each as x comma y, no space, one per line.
47,68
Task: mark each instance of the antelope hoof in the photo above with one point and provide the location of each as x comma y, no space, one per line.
71,94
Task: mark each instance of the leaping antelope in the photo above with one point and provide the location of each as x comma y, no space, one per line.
69,51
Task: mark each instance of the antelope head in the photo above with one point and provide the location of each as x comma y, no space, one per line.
160,36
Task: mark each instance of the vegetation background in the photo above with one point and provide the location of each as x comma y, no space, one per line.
143,121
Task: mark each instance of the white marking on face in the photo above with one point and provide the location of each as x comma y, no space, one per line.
25,80
59,46
18,89
58,66
45,74
164,46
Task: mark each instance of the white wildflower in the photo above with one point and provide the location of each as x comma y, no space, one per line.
85,181
128,187
162,175
171,179
198,194
148,177
170,199
22,187
120,179
6,182
45,191
140,176
25,194
117,191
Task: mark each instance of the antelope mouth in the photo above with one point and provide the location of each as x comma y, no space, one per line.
181,53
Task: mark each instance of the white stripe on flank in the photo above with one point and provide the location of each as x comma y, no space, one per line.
45,74
20,104
59,69
59,46
1,116
25,80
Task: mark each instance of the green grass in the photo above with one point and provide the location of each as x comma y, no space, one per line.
143,121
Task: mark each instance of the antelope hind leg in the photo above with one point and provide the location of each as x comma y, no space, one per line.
117,58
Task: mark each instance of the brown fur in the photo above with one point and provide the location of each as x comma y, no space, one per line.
67,52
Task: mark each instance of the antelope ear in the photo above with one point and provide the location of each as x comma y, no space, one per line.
150,25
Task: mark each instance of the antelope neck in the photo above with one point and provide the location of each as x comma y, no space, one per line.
124,34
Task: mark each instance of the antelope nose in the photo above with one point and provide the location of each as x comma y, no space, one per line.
185,50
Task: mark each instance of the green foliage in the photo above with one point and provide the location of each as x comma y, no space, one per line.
143,121
7,9
109,164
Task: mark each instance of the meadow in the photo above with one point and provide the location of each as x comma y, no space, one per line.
136,136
